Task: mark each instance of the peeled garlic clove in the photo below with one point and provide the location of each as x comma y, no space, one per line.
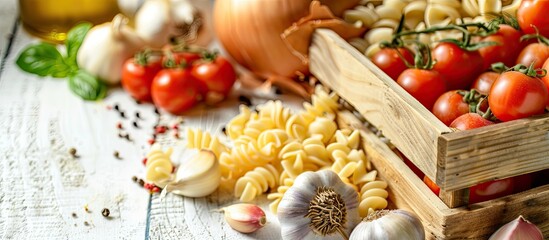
245,218
519,228
389,224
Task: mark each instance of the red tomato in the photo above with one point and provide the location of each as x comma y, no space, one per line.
484,82
450,106
515,95
491,190
137,78
534,12
459,67
175,90
523,182
424,85
432,185
388,61
506,51
188,58
470,121
545,78
534,52
218,75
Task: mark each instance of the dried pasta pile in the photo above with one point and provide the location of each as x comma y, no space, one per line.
272,146
383,19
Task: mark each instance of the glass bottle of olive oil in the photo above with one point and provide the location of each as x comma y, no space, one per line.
51,19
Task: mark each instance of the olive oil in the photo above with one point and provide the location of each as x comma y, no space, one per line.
51,19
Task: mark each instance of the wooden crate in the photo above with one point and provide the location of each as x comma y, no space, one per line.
456,160
476,221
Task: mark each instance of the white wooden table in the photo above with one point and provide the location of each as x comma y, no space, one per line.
43,190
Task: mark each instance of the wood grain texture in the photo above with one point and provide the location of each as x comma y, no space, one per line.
8,11
396,113
476,221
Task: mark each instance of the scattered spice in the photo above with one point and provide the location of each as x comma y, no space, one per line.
127,136
151,141
155,189
137,102
175,127
116,107
86,223
134,123
144,161
109,107
117,155
141,182
277,91
160,129
72,152
173,169
86,208
148,186
134,178
120,135
156,111
122,114
74,215
119,125
105,212
245,100
138,115
176,135
224,130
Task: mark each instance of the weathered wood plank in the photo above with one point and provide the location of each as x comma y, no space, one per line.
8,11
390,108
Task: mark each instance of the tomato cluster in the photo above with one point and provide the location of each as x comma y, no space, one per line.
176,81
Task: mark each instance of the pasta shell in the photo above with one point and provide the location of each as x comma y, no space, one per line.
449,3
437,15
372,49
389,23
487,8
414,13
385,12
377,35
395,4
512,8
366,16
359,43
470,7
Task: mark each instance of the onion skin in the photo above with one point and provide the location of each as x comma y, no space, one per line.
250,31
518,229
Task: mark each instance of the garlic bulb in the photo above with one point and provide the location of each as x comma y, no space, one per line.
129,7
519,228
106,47
318,206
389,225
244,217
198,177
159,20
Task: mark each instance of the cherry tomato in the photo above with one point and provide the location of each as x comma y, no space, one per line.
534,52
523,182
187,58
459,67
484,82
450,106
515,95
137,78
545,78
534,12
470,121
432,185
506,51
491,190
175,90
218,75
424,85
388,61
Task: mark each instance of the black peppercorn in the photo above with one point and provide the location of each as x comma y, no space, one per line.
106,212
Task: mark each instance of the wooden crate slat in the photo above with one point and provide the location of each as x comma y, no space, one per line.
385,104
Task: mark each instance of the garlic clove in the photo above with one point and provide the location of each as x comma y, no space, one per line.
197,166
389,224
245,218
519,228
153,22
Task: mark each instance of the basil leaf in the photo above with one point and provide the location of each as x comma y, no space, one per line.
87,86
43,59
75,37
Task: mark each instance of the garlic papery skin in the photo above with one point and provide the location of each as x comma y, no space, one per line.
129,7
244,217
519,228
106,47
318,206
198,177
389,225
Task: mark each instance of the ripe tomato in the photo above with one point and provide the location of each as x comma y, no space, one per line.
424,85
450,106
217,75
179,58
137,78
459,67
432,185
388,61
534,12
470,121
507,50
491,190
175,90
523,182
545,79
515,95
484,82
534,52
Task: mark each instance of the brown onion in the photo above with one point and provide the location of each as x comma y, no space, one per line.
251,32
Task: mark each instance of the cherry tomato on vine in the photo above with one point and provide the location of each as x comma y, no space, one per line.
545,78
137,77
491,190
515,95
175,90
534,12
424,85
470,121
450,106
218,75
458,66
484,82
179,58
388,61
534,52
432,185
506,50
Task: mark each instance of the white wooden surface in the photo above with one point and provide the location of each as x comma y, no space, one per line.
41,185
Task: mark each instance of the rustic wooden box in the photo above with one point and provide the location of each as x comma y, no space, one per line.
456,160
476,221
